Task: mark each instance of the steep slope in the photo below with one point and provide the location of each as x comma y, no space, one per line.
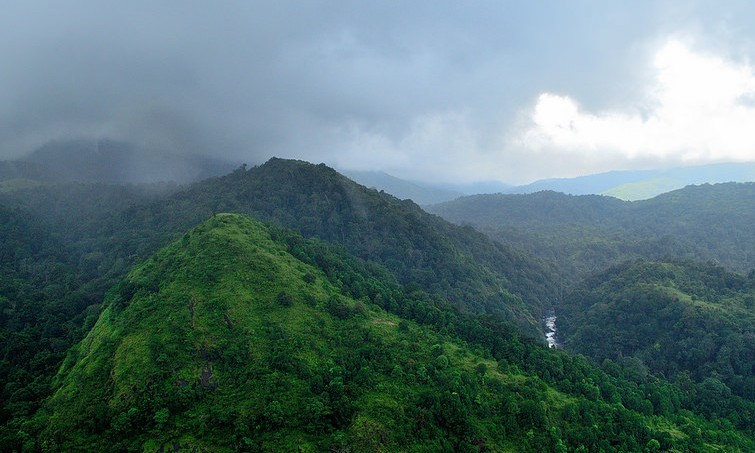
417,248
676,318
225,341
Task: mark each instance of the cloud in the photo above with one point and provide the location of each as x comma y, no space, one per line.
699,108
433,90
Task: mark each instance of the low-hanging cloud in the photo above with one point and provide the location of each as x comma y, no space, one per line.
699,109
431,90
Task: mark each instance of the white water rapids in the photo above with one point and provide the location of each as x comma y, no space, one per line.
550,330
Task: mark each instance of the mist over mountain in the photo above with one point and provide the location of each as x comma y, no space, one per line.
626,185
109,161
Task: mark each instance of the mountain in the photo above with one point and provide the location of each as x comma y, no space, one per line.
643,184
585,185
109,161
677,178
373,326
402,189
679,319
630,185
242,336
419,249
588,233
424,193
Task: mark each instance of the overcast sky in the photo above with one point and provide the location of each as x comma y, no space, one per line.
425,90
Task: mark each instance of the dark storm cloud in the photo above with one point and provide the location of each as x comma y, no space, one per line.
339,81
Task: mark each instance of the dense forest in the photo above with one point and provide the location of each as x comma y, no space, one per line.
586,234
334,317
682,320
227,340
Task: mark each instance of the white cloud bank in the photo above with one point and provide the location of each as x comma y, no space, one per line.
701,108
695,109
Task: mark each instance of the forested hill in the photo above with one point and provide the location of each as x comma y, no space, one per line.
418,248
42,313
679,319
244,337
586,234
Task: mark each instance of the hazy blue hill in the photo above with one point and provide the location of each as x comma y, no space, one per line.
630,185
647,188
677,178
644,184
226,341
586,185
420,194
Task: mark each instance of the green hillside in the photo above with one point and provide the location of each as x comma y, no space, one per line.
679,319
226,341
642,190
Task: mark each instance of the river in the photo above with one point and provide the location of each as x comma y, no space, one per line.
550,329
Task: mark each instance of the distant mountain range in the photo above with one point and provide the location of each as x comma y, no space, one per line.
643,184
628,185
403,189
422,193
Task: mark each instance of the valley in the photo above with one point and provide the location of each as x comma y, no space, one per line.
284,306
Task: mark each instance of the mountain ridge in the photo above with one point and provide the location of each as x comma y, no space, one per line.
462,264
628,185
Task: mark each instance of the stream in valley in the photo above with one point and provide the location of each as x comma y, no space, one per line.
550,329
